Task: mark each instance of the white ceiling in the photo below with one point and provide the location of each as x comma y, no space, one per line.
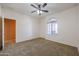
25,8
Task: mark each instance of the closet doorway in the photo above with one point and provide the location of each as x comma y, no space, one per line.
9,32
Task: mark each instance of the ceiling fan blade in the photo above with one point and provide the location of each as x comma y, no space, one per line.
45,10
33,11
44,4
34,6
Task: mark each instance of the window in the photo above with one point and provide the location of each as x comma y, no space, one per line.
52,27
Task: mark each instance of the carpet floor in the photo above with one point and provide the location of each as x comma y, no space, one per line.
39,47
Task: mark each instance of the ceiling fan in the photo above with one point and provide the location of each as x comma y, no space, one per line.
39,7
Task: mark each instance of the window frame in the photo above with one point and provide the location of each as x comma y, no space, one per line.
52,21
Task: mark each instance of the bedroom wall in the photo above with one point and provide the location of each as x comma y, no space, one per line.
78,26
26,26
67,27
0,10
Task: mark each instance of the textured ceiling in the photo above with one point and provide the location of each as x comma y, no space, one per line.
25,8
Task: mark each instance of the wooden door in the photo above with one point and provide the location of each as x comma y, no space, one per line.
10,31
6,32
0,33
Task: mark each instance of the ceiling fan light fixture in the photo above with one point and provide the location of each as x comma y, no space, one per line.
39,12
39,7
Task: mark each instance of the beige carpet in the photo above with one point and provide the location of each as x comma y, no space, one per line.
39,47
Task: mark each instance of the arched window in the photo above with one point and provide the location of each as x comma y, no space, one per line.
52,26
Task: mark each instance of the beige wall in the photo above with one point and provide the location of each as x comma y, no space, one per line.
67,27
78,26
26,26
0,10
